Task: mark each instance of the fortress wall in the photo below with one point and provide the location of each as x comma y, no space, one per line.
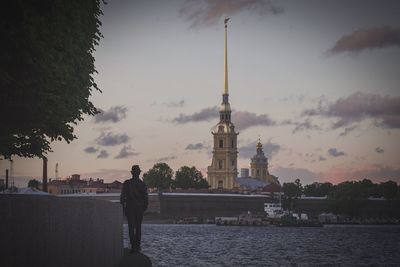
208,206
37,230
312,207
363,208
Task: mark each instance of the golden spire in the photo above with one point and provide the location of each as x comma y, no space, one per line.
226,57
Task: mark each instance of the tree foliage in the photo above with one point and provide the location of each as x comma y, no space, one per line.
189,177
159,176
347,198
291,192
317,189
46,72
389,190
34,183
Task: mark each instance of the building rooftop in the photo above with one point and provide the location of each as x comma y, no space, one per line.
250,183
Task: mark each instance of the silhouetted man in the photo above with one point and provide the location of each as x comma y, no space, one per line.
134,200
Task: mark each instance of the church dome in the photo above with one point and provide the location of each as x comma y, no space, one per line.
259,157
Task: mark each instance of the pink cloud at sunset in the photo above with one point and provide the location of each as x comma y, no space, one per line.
375,172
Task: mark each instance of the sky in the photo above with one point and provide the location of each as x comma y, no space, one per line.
317,81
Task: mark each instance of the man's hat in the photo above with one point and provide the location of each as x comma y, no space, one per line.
135,168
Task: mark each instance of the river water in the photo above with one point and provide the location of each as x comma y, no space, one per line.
210,245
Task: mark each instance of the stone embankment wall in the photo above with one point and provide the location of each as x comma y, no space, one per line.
53,231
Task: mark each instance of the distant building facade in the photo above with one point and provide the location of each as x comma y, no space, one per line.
74,185
244,172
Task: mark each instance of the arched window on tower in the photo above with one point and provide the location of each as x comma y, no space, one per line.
220,164
221,143
233,143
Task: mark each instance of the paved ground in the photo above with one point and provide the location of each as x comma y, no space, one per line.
134,260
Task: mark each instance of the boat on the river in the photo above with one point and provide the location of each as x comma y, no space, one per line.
273,215
273,210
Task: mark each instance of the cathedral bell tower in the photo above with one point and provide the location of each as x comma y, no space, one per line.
223,170
259,164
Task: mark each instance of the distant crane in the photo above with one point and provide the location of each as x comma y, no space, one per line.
56,171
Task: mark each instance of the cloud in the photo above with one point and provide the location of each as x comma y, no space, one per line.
91,149
245,119
335,153
173,104
374,172
114,114
197,146
103,154
301,126
372,38
108,174
205,114
347,130
383,110
209,12
286,174
168,158
110,139
379,150
242,119
248,151
126,152
304,126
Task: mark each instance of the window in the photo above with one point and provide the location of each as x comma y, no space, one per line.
258,173
220,164
233,162
220,184
221,143
233,143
